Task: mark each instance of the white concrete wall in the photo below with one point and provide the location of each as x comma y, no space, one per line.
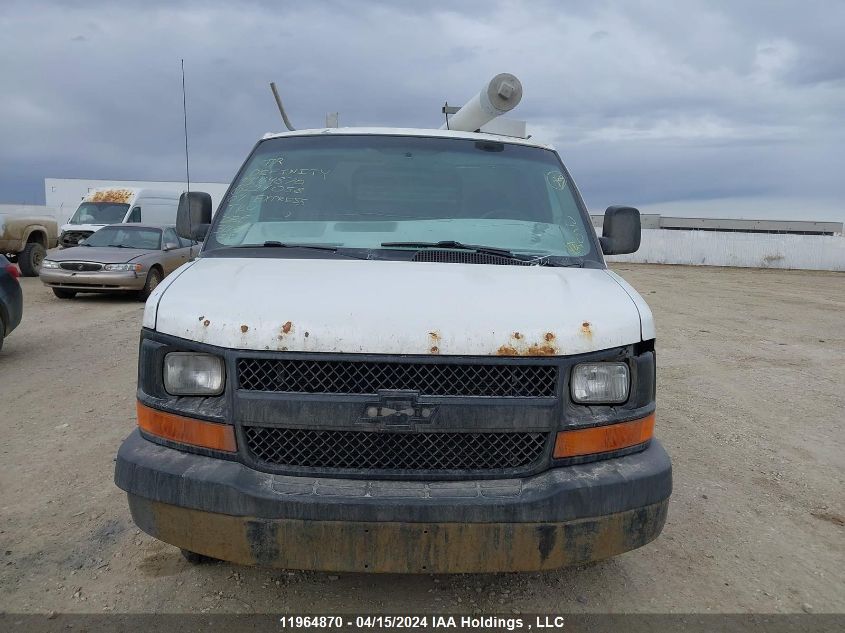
64,194
745,250
34,210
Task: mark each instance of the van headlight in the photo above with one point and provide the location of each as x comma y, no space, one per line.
193,374
600,383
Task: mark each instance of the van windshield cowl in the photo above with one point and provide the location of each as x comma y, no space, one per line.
368,191
99,213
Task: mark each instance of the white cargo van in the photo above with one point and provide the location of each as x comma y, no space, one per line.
101,207
399,350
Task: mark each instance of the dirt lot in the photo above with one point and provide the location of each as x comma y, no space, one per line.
751,377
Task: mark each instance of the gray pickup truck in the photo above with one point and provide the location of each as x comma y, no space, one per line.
24,239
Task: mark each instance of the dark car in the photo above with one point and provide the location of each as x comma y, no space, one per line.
11,298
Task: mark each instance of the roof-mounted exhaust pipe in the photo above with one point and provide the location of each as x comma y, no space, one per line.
284,114
501,94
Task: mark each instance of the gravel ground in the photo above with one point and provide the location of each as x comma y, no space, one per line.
751,375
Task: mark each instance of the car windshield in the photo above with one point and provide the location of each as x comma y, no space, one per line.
99,213
126,237
362,191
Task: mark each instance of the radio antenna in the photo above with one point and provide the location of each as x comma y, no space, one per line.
187,162
185,118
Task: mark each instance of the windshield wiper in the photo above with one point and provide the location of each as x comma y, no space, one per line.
275,244
313,247
489,250
541,260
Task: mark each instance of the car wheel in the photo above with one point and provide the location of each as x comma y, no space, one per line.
197,559
30,258
153,280
64,294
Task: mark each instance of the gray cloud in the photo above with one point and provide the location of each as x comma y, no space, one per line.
648,102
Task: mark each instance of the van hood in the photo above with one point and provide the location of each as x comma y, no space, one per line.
390,307
82,227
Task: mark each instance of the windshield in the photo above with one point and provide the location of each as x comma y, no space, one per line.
359,191
126,237
99,213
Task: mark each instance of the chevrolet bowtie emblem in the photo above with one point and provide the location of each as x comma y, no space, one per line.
397,408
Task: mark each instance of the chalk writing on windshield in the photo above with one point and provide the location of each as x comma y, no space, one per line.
556,180
271,183
274,182
576,244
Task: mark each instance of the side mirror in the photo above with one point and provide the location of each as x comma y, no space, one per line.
621,231
169,246
194,215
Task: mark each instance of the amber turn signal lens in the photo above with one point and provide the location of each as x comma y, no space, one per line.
602,439
177,428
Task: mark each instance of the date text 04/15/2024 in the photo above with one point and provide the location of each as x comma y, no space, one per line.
389,622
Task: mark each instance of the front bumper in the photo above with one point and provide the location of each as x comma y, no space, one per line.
98,281
560,517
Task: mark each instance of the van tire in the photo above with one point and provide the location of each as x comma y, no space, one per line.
61,293
197,559
2,332
154,278
30,258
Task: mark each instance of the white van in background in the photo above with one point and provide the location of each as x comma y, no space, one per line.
101,207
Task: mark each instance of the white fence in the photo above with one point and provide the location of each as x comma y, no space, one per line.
747,250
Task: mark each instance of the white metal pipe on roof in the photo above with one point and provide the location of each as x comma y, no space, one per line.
501,94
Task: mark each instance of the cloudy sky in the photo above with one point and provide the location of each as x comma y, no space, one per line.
730,108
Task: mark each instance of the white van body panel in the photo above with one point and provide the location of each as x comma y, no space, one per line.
402,131
157,207
390,307
646,318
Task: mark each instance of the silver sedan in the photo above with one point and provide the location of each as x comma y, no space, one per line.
118,257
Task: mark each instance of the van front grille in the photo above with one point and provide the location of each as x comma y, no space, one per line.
395,451
71,238
369,377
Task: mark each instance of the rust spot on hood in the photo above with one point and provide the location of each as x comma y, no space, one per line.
287,327
206,323
434,335
202,317
110,195
517,346
587,330
541,350
244,329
